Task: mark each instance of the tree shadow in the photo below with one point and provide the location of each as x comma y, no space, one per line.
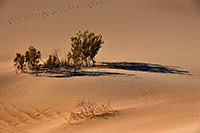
67,73
144,67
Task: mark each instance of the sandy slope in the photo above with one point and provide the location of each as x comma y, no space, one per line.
154,44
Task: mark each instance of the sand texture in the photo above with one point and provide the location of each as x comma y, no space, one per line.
148,67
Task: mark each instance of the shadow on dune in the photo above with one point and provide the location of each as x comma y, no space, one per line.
65,73
145,67
129,66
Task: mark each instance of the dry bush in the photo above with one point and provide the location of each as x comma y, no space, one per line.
55,61
88,110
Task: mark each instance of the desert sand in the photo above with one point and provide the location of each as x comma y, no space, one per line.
150,71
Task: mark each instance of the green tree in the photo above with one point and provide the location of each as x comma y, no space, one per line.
85,47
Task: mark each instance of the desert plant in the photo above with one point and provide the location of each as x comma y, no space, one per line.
52,61
84,48
64,61
88,110
19,62
32,57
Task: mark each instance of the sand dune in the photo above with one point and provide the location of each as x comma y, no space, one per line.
148,68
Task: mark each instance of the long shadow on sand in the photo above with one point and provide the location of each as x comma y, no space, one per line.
67,73
145,67
97,70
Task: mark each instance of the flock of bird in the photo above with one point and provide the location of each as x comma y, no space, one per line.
45,14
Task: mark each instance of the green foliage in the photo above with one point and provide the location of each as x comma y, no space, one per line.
32,57
84,48
52,61
19,62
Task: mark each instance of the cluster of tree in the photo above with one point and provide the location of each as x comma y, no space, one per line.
84,47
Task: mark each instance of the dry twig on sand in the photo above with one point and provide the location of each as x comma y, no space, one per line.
88,110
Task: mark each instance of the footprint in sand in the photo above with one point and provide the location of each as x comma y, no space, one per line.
45,14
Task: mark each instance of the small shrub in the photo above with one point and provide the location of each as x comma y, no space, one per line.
30,60
19,62
64,61
88,110
84,48
52,61
32,57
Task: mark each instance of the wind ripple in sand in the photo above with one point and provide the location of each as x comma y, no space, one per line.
45,14
14,116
